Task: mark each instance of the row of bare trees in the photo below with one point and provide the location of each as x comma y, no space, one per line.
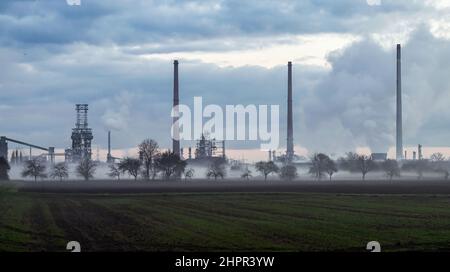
286,172
36,168
322,166
354,163
150,163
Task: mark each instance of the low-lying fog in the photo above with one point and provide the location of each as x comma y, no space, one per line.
231,175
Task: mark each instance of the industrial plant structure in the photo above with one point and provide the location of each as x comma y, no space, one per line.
48,155
81,137
206,149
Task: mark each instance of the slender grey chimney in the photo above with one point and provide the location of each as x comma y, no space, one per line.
290,123
176,101
109,157
399,104
109,142
224,155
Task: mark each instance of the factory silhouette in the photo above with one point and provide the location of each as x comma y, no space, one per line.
207,150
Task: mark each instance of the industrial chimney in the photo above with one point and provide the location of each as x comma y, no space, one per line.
109,158
176,101
399,145
290,124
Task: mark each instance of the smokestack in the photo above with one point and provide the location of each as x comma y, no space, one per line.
109,142
176,101
290,123
399,104
223,150
109,157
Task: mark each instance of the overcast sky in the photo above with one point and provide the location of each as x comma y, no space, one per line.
117,56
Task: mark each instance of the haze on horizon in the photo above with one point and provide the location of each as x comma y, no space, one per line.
117,56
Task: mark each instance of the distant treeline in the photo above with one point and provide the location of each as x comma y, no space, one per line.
152,163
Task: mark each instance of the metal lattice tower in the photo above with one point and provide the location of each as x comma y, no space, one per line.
82,120
81,135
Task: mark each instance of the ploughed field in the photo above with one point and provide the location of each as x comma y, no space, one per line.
298,218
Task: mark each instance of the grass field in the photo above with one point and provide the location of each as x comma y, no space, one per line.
223,221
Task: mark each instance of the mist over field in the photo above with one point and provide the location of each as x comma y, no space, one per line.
234,176
354,95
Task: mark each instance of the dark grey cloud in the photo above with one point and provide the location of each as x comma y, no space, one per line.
34,22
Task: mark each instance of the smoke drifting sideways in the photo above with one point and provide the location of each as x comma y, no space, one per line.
117,115
354,103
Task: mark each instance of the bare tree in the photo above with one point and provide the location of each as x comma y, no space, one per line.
148,151
331,167
440,165
247,174
418,166
171,165
437,157
321,165
358,164
34,168
365,164
288,172
131,166
114,171
86,169
216,170
266,168
391,168
189,173
60,171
